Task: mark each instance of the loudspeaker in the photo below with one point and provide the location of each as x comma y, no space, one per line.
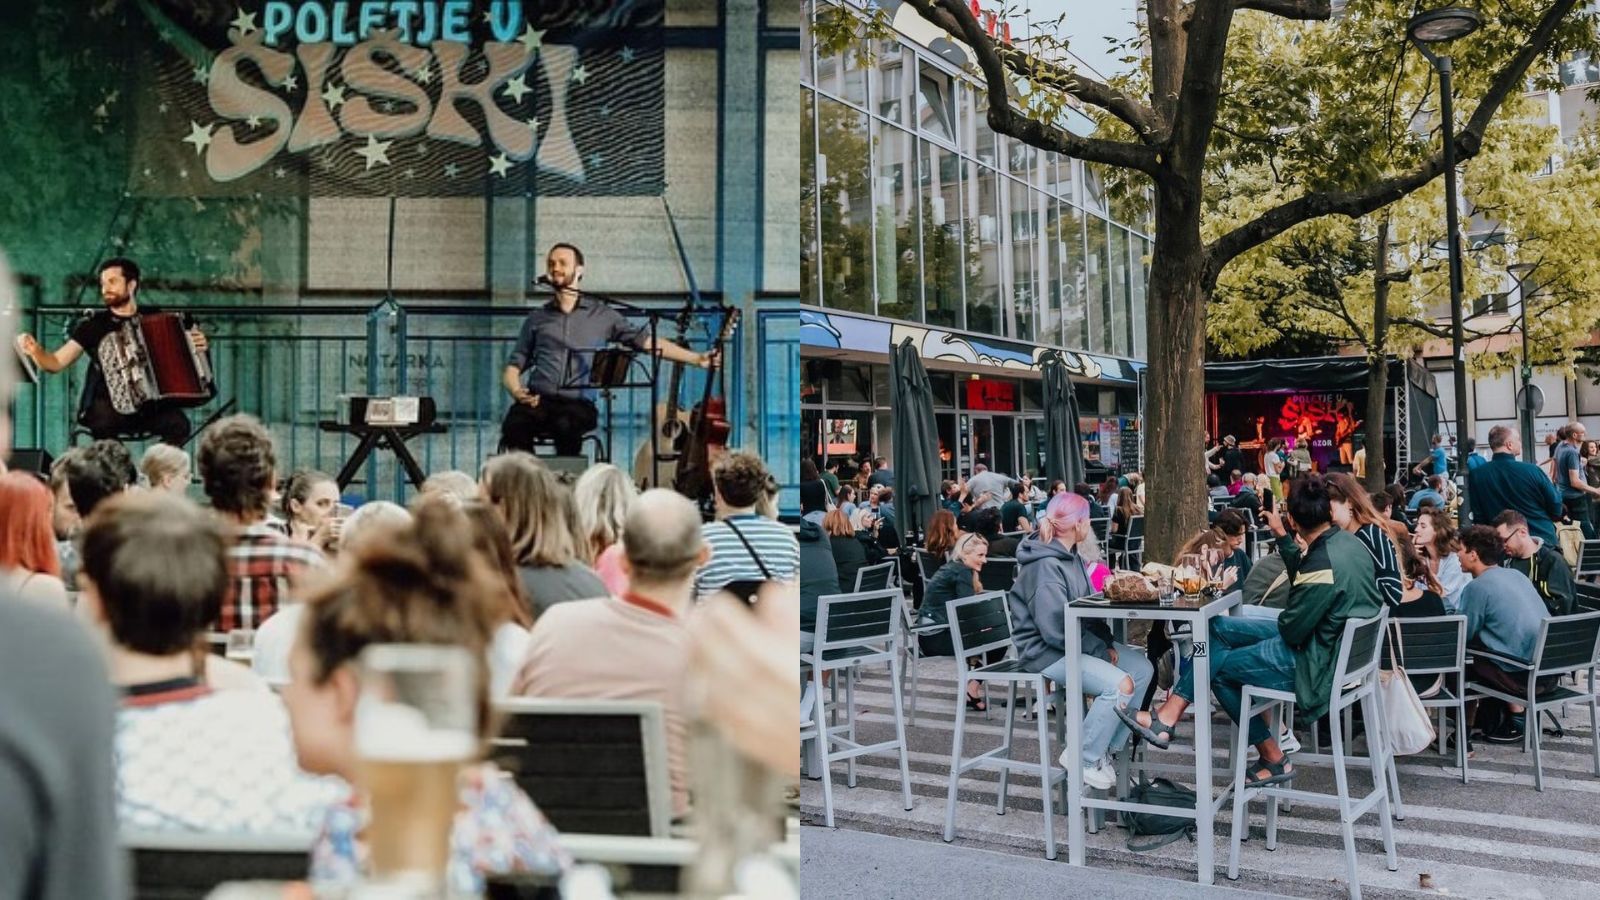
27,460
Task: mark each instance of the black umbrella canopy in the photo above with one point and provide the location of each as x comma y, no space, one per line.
1063,454
916,440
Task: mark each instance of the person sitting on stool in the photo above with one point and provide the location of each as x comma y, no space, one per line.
555,352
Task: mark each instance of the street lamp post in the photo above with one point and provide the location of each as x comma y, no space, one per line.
1434,27
1525,401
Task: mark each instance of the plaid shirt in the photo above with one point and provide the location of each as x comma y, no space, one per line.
262,564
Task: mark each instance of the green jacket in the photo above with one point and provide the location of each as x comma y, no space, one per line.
1550,574
1334,581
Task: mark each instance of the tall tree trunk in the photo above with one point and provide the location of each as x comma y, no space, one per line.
1180,286
1378,364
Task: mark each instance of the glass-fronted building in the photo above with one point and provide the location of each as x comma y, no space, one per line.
918,221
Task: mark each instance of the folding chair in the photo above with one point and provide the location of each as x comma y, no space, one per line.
1127,548
876,578
1437,645
1589,561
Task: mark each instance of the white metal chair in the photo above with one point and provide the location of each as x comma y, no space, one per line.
1437,645
854,630
876,577
1355,679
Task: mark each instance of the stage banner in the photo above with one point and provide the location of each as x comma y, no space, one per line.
407,98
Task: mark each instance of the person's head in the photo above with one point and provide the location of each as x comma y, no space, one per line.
1576,432
1125,501
535,506
165,468
1436,482
942,532
1481,549
237,466
1212,481
1348,503
1588,449
1231,524
1471,444
564,265
308,497
947,489
1107,489
837,524
979,468
119,281
1236,477
154,572
1230,441
371,519
1505,439
808,471
887,496
881,462
1247,482
490,539
739,479
27,543
1415,568
64,518
1309,506
1057,486
1436,440
602,496
986,522
100,471
1082,489
1065,519
1512,527
453,485
1435,536
875,494
847,494
832,465
1017,490
971,550
866,467
661,543
422,583
1381,502
1397,495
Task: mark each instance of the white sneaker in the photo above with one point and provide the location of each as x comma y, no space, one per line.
1099,776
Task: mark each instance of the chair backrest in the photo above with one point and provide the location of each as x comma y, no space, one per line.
1431,644
1100,527
1136,531
1588,596
591,766
999,573
927,564
875,578
850,620
1359,648
1589,559
978,624
1567,643
181,866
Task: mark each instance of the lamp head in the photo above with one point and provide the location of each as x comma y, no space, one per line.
1439,25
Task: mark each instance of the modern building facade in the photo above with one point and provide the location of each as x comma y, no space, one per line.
918,221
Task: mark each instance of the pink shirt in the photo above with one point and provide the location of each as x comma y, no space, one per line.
609,567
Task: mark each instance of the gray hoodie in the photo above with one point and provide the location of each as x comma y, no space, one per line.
1050,576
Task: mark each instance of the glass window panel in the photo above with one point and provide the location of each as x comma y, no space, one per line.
983,272
844,206
807,48
895,65
1121,321
844,75
1059,177
808,198
1099,296
1074,278
899,247
1024,253
1141,280
980,139
1051,321
880,385
1023,161
1032,395
852,384
942,238
944,389
936,106
1094,188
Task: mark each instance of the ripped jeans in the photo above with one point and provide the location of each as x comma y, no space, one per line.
1102,730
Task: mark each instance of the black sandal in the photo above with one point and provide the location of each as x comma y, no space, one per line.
1279,773
1160,740
976,703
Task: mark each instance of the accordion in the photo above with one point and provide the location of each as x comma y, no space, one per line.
156,361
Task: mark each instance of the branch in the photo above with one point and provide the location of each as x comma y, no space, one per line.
956,18
1138,116
1304,10
1357,202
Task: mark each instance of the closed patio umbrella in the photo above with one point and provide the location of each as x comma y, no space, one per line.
916,440
1063,454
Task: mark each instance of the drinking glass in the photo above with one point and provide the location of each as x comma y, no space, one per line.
1189,575
241,645
416,727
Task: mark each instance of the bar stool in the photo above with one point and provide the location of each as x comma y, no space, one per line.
854,630
1355,679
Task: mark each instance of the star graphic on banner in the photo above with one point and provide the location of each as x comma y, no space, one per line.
291,83
147,172
202,75
411,173
531,40
596,160
451,170
422,148
533,125
101,111
499,164
333,95
183,173
253,121
279,172
161,108
580,74
605,110
627,54
517,88
245,22
424,73
375,152
199,136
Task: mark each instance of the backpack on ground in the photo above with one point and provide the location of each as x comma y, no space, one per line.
1159,829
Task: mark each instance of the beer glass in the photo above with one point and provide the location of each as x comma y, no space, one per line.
241,645
416,727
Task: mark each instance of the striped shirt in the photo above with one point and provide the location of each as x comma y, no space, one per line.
731,560
1385,562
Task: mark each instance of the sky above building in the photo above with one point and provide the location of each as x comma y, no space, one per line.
1088,23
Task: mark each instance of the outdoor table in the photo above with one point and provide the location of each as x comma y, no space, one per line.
1198,614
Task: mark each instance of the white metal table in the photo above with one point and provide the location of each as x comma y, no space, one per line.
1198,614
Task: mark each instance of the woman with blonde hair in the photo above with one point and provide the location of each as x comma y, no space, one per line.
165,468
602,497
538,513
954,580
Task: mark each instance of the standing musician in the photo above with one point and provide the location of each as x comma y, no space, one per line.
108,384
555,352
